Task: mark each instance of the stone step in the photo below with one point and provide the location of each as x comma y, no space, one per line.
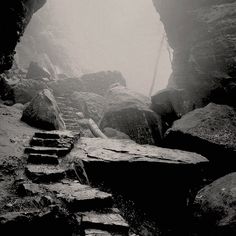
80,197
44,173
72,124
111,222
96,232
43,159
63,105
59,143
67,108
68,112
70,120
74,129
53,135
48,150
70,116
46,135
61,99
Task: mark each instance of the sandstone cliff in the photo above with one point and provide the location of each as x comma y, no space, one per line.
202,35
14,17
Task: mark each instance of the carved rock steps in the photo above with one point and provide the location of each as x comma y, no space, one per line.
93,208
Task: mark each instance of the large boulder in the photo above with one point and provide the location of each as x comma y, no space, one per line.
14,17
210,131
100,82
157,179
90,104
215,207
37,72
25,90
129,112
43,112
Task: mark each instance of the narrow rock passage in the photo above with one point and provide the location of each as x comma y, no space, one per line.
93,208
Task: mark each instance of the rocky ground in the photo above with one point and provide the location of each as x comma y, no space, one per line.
137,168
29,181
15,136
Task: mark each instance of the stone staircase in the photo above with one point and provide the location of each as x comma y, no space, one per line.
68,112
48,174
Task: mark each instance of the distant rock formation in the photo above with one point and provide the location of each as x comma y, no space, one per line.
37,72
14,17
25,90
100,82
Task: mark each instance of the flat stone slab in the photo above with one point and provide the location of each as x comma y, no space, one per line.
111,222
80,197
35,158
44,173
110,150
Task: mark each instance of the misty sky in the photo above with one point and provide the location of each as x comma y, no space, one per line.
121,35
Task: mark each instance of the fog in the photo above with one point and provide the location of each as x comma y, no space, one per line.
121,35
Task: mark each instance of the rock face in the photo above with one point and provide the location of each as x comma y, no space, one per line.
25,90
215,206
128,112
43,112
203,38
100,82
5,88
46,38
210,131
90,104
14,17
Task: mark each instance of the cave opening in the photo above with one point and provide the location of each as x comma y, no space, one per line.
85,37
